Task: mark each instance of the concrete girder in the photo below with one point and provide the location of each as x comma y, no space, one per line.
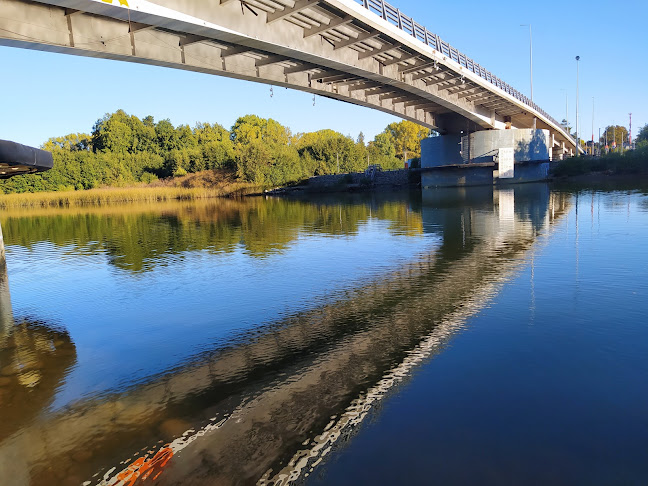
466,94
270,60
494,105
484,101
365,36
415,68
137,27
361,86
459,89
495,102
334,23
332,78
420,105
393,96
423,75
300,68
481,96
380,91
235,51
406,57
326,74
375,52
296,8
442,80
192,39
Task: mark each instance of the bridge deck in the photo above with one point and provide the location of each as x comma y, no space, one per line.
364,52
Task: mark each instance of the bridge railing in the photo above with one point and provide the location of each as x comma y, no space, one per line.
395,17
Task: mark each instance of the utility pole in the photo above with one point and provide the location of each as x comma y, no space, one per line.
530,65
577,141
630,132
592,125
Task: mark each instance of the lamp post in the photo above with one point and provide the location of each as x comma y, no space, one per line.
530,57
530,65
592,125
577,142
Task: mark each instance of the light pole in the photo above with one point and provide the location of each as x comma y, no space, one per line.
530,65
592,125
530,57
577,143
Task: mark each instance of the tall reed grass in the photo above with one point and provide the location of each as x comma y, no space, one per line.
106,196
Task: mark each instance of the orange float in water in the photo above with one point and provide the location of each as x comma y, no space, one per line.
143,468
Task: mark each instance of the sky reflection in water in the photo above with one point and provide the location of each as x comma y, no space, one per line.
255,322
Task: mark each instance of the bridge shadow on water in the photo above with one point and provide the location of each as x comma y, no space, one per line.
267,407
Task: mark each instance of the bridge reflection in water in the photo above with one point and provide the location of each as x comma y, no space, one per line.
268,408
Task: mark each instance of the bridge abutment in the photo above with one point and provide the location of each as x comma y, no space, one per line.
486,157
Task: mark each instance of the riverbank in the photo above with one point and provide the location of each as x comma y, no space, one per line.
371,180
120,195
630,164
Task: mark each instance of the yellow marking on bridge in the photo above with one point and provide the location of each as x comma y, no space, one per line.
121,2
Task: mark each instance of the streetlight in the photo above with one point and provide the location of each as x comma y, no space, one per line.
577,144
592,125
530,57
530,66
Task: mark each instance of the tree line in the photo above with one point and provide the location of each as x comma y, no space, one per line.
123,150
613,135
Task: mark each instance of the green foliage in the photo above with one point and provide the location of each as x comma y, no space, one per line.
616,133
642,137
406,137
123,150
629,162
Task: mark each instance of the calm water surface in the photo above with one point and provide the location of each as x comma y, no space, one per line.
450,337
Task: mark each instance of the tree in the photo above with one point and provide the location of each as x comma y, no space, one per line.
406,137
112,133
167,137
72,142
642,137
382,151
328,151
252,127
614,133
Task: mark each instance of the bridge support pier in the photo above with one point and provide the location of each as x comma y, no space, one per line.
486,157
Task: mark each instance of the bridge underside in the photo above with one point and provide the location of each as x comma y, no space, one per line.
332,48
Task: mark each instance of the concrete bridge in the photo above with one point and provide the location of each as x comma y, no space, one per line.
364,52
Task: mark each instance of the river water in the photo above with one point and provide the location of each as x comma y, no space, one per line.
475,336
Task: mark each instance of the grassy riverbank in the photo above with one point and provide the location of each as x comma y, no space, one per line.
634,162
119,195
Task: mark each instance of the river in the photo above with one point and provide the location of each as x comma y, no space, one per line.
476,336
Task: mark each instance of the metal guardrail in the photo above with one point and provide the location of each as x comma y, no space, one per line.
395,17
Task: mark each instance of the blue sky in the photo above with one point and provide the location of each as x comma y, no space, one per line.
46,95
